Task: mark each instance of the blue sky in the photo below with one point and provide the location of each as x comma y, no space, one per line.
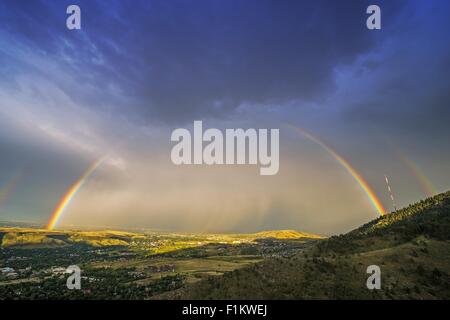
138,69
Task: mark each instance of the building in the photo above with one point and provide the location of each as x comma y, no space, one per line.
6,270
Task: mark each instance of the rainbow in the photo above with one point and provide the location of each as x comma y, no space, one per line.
376,203
424,182
70,194
7,189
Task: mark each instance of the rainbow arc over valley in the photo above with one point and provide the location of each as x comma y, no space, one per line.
376,203
70,194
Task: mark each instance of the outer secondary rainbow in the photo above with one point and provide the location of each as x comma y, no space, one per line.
7,189
352,171
425,183
70,194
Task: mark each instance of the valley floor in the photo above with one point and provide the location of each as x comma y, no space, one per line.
120,265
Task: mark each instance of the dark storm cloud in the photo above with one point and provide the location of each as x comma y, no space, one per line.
69,97
181,60
404,88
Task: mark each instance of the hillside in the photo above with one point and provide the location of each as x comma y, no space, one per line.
285,234
11,237
411,246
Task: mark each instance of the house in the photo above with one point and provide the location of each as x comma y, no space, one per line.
12,275
58,270
6,270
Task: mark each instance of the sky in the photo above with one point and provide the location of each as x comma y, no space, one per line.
137,70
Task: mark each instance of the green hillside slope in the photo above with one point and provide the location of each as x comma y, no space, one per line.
41,238
411,247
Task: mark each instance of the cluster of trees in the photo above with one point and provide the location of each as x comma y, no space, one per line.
429,217
101,284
